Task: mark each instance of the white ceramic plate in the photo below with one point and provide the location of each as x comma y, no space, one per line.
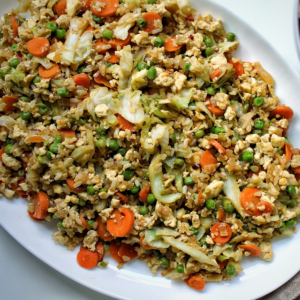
135,280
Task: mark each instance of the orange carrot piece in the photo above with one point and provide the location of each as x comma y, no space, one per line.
49,73
9,102
199,198
84,222
100,250
169,45
222,264
195,282
102,231
53,20
60,7
221,215
143,194
82,80
108,10
284,130
218,146
215,110
151,17
128,251
254,250
207,159
122,222
283,111
66,133
249,200
34,139
297,176
215,73
267,209
71,182
122,197
144,244
41,205
124,124
118,42
295,170
288,152
14,25
2,151
18,191
113,57
239,69
86,258
85,5
32,217
114,252
102,80
216,231
38,46
190,18
99,47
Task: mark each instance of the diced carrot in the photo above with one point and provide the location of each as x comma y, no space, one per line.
199,198
89,28
100,250
9,102
41,205
283,111
151,18
86,258
254,250
297,176
82,80
122,222
249,200
31,215
215,73
190,18
14,25
221,215
53,20
222,264
49,73
124,124
215,110
217,233
295,170
118,42
66,133
114,252
218,146
195,282
143,194
144,244
126,251
34,139
122,197
2,151
102,80
267,208
207,159
99,47
60,7
239,69
109,9
113,57
85,5
71,182
102,231
38,46
231,147
169,45
288,152
84,222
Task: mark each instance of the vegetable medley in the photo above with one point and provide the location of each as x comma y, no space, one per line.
131,125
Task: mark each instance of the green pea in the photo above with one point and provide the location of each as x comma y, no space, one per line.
223,90
97,19
142,23
49,155
144,210
280,151
211,91
90,190
41,160
159,42
81,121
203,241
51,26
247,156
141,66
212,129
219,130
189,181
172,138
292,203
14,62
151,74
80,69
187,67
254,230
230,36
199,133
164,262
122,151
99,131
180,269
258,101
151,199
291,190
91,223
209,51
58,139
245,108
81,202
101,144
147,175
113,145
157,254
290,223
134,190
128,174
208,42
232,102
25,115
229,208
151,1
53,148
14,47
60,225
29,55
62,92
230,270
210,204
43,111
7,149
259,124
178,162
60,33
107,34
283,226
25,99
36,79
194,231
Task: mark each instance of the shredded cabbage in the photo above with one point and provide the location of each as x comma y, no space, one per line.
154,240
224,78
183,99
17,76
84,47
170,168
167,232
83,154
202,107
126,66
124,24
206,222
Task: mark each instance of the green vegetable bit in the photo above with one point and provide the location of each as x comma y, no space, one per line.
199,133
101,144
91,223
194,231
25,99
208,42
81,202
97,19
189,181
187,67
81,121
151,199
80,69
60,225
7,149
128,174
141,66
14,62
230,270
107,34
122,151
53,148
62,92
25,115
178,162
203,241
41,160
164,262
230,36
159,42
51,26
245,108
113,145
211,91
147,175
259,124
144,210
36,79
209,51
247,156
151,74
90,190
180,269
49,155
228,207
291,190
29,55
258,101
57,139
219,130
172,138
14,47
142,23
210,204
134,190
290,223
60,33
151,1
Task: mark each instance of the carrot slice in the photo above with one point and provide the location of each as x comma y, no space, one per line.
239,69
117,42
122,197
128,251
49,73
215,73
99,47
108,10
34,139
122,222
207,159
114,252
100,250
249,200
254,250
169,45
66,133
102,231
218,146
217,232
2,151
283,111
89,28
144,244
82,80
84,222
85,5
215,110
143,194
14,25
221,215
124,124
267,209
151,18
33,218
113,57
102,80
86,258
9,102
60,7
39,46
71,182
288,152
41,205
195,282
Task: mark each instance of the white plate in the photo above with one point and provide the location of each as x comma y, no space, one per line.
135,280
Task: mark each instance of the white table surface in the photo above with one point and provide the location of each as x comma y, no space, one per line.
23,276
